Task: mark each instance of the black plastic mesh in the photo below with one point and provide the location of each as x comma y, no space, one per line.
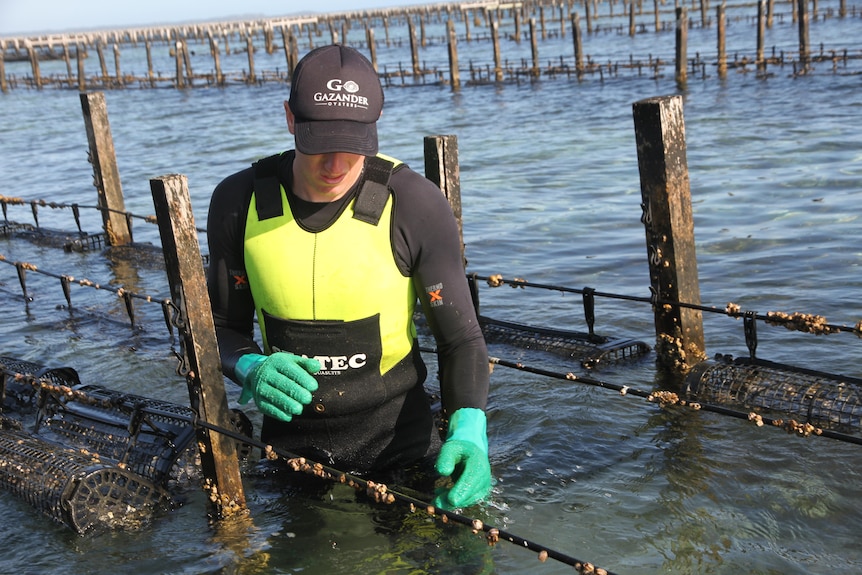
74,487
590,349
821,399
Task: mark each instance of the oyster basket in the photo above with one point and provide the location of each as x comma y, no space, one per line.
75,488
590,349
146,435
822,399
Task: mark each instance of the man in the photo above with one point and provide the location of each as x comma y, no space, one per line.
330,245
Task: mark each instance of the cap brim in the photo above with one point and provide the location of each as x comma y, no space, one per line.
326,137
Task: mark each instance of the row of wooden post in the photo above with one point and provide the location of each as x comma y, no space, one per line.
184,76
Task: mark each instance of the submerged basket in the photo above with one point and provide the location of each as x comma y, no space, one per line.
821,399
74,487
590,349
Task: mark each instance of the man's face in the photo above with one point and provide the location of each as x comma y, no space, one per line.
323,177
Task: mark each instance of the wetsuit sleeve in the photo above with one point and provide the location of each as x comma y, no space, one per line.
428,248
227,282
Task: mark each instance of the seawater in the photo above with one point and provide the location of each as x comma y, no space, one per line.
551,194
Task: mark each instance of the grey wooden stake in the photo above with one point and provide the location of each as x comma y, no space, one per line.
721,18
442,168
106,175
3,86
454,74
201,363
667,218
681,75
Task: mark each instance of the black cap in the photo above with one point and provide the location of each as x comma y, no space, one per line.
336,99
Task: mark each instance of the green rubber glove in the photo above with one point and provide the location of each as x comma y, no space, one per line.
464,455
281,383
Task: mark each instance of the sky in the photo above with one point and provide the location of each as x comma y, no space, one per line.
23,17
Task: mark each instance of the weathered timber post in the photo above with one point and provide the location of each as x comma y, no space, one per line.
67,57
106,175
117,65
82,79
178,58
442,168
770,13
632,28
579,48
681,75
414,48
372,46
3,86
534,49
704,8
495,40
454,74
199,346
187,60
103,64
667,219
34,65
149,49
219,76
249,46
803,35
761,34
588,16
721,18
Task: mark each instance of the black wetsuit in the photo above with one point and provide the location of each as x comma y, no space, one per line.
425,242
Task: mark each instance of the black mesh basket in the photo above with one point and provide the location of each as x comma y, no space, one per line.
74,487
147,435
822,399
590,349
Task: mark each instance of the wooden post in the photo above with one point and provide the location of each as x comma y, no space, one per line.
721,18
249,45
667,218
495,37
372,46
579,49
219,76
178,58
442,168
117,65
588,16
106,175
199,345
103,64
454,73
414,49
187,60
149,49
82,79
632,29
34,65
761,33
67,57
681,75
534,49
4,88
803,35
656,4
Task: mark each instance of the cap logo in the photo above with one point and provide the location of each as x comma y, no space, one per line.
341,94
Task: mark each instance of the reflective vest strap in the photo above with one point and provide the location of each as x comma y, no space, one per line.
267,188
372,197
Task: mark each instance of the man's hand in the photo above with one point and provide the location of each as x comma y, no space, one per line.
281,383
464,455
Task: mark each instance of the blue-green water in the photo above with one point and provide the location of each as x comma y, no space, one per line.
551,193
